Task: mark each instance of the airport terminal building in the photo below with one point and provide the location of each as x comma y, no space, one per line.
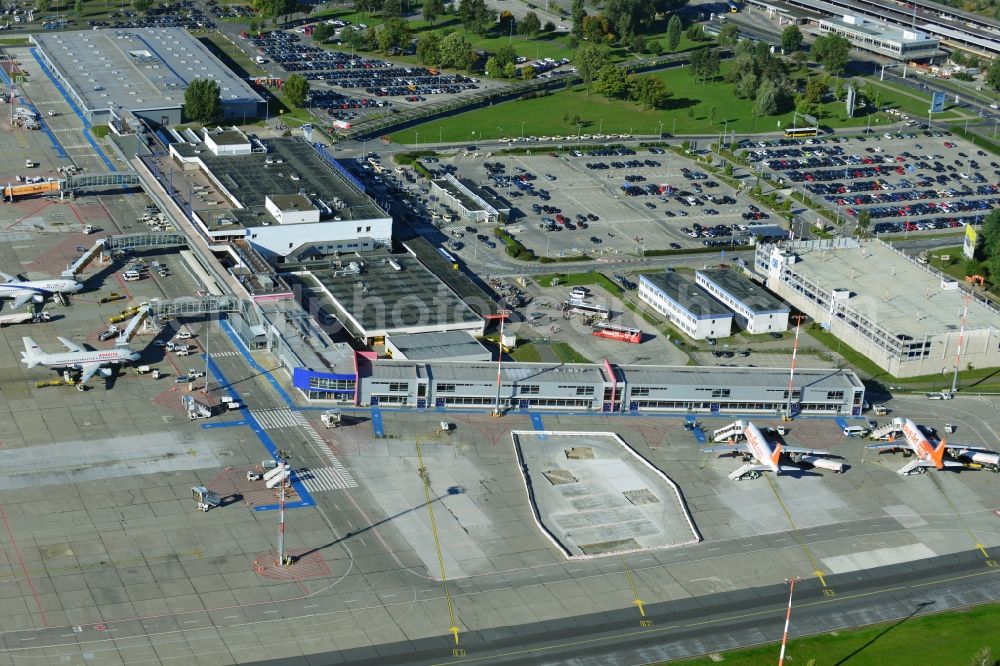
144,71
603,387
903,315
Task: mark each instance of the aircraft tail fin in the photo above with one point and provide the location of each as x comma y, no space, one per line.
776,454
937,455
31,352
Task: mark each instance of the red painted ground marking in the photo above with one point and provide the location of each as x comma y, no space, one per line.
308,564
24,568
18,221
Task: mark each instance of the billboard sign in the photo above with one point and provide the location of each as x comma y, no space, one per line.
969,245
851,100
937,102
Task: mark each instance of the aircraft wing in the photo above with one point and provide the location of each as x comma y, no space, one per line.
89,370
890,446
20,301
805,452
71,346
7,277
739,447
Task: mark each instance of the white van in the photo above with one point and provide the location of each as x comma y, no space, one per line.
183,335
578,292
261,60
855,431
131,276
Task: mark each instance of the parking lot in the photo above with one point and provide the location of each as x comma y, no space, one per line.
907,181
610,201
345,85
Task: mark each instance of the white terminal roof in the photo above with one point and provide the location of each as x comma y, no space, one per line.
895,292
137,68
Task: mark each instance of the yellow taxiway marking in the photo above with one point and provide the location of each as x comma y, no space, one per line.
453,629
990,562
635,592
798,537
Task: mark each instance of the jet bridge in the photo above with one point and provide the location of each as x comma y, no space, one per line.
122,243
886,431
133,325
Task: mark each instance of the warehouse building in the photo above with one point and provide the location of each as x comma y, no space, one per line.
472,204
903,315
142,71
379,295
448,346
585,387
687,305
903,44
756,310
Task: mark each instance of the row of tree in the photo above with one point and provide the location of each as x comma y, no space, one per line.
203,100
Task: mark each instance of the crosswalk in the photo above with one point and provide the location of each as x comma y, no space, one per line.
223,354
271,419
325,478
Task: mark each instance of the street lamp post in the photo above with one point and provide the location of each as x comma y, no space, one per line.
578,126
661,128
440,133
416,138
600,126
522,129
499,132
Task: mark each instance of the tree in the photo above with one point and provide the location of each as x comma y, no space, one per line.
983,657
650,91
746,84
990,233
432,10
505,54
674,32
815,91
655,48
493,69
712,113
637,43
839,89
78,7
696,33
611,82
705,64
530,25
296,89
476,16
510,70
391,8
393,34
272,8
729,34
201,100
427,49
833,52
505,24
791,39
42,5
993,74
767,101
578,13
456,51
323,32
551,27
589,60
864,221
527,72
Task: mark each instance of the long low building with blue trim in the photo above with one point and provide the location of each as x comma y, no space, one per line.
687,305
603,387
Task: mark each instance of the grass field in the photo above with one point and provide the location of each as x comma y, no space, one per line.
688,112
546,45
947,639
907,100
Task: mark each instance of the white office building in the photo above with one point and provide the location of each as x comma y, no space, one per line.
688,306
756,310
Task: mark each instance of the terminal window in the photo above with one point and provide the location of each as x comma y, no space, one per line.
528,389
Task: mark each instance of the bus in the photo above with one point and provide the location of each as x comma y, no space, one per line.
733,8
576,305
616,332
799,132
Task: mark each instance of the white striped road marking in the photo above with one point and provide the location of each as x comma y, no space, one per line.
276,418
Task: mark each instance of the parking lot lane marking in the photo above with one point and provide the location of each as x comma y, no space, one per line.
795,533
536,423
425,477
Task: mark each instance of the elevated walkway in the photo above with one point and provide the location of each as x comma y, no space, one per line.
890,429
123,243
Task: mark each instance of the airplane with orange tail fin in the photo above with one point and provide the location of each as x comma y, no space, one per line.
915,442
745,438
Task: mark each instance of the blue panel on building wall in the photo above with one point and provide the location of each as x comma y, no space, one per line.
301,377
421,403
715,408
374,400
633,406
606,407
439,402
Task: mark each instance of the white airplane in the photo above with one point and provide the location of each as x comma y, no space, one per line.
916,442
766,457
23,291
87,362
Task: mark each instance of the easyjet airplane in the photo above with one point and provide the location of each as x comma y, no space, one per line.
927,455
766,456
